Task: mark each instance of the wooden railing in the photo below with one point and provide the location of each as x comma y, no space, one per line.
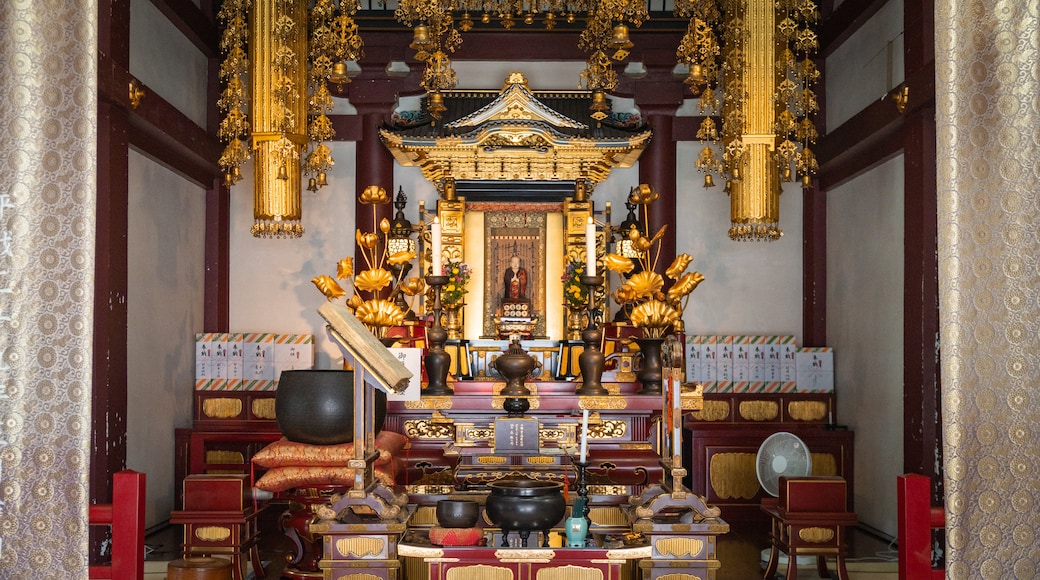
917,519
126,517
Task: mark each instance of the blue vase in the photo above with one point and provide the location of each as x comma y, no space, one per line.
577,528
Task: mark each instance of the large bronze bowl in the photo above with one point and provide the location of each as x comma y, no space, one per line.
525,506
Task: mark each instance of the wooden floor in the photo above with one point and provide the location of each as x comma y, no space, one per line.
739,551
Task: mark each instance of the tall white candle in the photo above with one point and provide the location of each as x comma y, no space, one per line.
673,379
435,238
590,248
584,436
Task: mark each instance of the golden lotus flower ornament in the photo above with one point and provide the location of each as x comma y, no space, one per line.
678,266
366,240
655,317
684,285
414,286
329,287
646,284
379,313
373,280
618,263
398,258
345,268
374,195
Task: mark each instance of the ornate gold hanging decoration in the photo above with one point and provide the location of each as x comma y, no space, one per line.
765,68
293,56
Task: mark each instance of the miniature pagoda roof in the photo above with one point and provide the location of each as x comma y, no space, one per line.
516,134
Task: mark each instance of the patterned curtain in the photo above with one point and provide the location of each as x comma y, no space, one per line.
988,138
48,161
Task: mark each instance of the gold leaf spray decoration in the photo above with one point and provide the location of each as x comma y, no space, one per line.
377,313
643,295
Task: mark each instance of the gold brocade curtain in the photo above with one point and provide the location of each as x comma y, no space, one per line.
48,183
988,161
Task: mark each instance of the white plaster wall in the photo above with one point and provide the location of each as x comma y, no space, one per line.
271,289
865,327
749,287
166,62
866,66
166,282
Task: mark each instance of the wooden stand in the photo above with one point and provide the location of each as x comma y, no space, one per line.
219,519
808,519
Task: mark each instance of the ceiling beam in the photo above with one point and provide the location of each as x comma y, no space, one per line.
844,21
189,19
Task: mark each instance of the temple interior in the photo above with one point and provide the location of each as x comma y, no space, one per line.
651,291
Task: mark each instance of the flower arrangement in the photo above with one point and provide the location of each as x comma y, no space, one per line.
643,296
574,293
458,274
376,313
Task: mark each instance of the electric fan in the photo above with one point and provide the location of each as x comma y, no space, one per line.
781,454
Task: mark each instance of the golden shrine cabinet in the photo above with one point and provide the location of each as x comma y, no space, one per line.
722,441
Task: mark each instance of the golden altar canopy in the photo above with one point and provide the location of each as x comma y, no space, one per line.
516,134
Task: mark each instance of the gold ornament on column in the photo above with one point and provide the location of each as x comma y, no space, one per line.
765,68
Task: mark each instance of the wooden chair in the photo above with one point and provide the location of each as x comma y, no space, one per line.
126,517
917,519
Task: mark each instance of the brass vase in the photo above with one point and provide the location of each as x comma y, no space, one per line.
453,320
575,321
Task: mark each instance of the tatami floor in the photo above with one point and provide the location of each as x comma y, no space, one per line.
740,552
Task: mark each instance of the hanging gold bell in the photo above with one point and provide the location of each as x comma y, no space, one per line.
708,180
786,175
807,180
322,179
420,38
312,184
282,173
736,174
620,39
466,24
436,105
339,73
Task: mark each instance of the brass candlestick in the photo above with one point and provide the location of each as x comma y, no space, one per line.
437,360
591,360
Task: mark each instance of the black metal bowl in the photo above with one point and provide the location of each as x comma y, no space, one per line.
317,406
525,506
457,513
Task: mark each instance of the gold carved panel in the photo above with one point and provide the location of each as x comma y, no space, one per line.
816,535
824,464
759,410
678,577
360,547
213,533
263,408
358,576
569,572
807,410
492,460
712,411
603,403
679,547
424,429
222,408
429,403
609,429
479,572
732,475
608,516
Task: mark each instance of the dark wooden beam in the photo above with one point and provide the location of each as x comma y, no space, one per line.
109,360
158,129
217,308
922,395
844,21
190,20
